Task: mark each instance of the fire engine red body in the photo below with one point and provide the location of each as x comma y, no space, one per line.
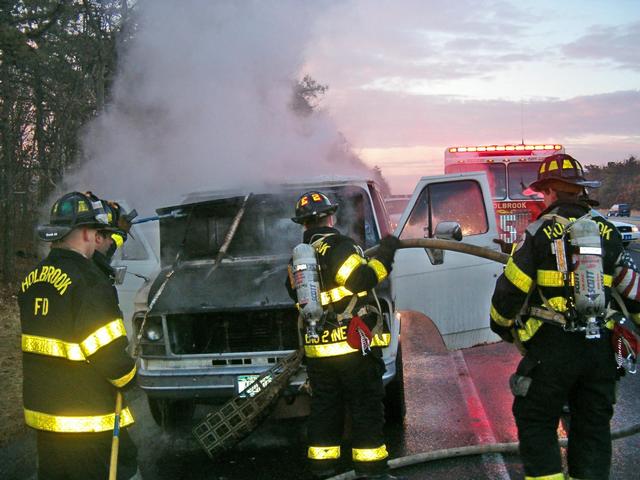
509,169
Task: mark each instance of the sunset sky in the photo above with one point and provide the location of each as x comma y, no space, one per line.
409,78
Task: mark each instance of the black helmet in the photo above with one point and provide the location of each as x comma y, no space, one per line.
313,204
73,210
561,167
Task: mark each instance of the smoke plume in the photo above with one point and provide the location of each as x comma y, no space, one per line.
202,101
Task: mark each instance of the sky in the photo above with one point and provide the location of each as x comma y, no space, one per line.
409,78
202,97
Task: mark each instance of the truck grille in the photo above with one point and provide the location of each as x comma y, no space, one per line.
233,332
512,225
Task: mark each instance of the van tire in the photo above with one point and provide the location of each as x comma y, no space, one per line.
172,415
394,402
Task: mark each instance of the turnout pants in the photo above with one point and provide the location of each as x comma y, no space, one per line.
83,456
566,367
354,380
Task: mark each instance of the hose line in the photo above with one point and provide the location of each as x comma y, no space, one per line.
452,245
455,452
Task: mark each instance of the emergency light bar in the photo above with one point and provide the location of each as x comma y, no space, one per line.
505,148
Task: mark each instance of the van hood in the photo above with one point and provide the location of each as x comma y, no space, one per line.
234,285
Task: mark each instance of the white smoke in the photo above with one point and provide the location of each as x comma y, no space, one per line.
202,101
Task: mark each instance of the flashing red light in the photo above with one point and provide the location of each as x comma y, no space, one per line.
504,148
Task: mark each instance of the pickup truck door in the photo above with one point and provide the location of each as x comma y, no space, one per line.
456,295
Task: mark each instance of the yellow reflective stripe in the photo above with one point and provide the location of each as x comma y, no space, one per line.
553,165
347,268
122,381
369,454
337,294
555,476
635,317
553,278
499,319
610,324
566,164
323,453
328,350
517,277
342,348
550,278
103,336
57,423
52,347
559,304
381,340
379,268
542,168
531,326
117,239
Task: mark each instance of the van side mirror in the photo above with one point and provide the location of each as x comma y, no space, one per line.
444,231
119,273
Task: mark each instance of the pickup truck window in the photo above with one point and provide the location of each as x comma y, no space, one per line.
496,175
458,201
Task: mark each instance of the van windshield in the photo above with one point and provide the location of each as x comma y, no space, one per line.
265,229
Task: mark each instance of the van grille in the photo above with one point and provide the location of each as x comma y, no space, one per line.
232,332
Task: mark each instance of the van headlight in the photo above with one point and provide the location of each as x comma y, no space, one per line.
152,328
634,229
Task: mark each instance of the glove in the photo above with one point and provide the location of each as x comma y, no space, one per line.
505,247
390,242
387,250
505,333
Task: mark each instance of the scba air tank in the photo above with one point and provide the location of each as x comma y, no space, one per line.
589,294
306,277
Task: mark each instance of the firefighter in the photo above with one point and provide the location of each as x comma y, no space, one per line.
74,350
342,370
568,357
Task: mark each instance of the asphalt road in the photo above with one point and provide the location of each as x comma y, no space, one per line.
453,399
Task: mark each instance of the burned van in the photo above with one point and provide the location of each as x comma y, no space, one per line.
222,319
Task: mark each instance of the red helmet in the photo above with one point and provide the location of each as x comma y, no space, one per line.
313,204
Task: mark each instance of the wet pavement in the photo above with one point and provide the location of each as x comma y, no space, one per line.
453,399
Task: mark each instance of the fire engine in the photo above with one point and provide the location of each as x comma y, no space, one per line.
509,169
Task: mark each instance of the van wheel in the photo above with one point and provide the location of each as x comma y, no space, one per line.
172,415
394,405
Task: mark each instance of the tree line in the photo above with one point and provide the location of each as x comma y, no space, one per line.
58,60
620,182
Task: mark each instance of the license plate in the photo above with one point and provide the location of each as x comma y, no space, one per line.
626,236
243,381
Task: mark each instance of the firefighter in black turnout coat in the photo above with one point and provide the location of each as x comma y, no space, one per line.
74,350
569,357
345,372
